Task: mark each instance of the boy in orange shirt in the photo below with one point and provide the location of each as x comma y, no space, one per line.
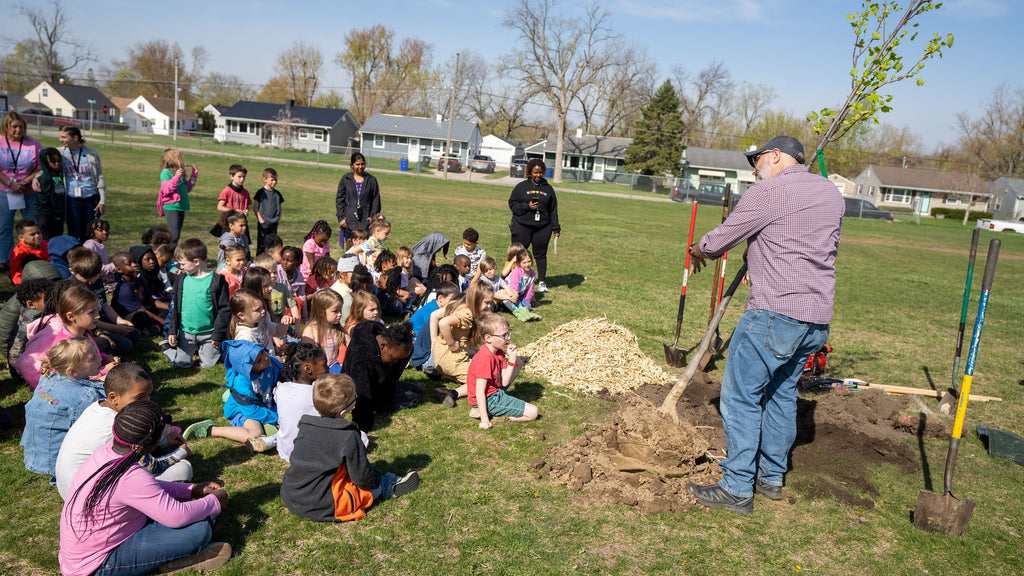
31,246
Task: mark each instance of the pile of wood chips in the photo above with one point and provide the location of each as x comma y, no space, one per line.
591,355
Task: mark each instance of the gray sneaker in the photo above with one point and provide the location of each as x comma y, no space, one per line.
542,287
768,490
714,496
406,484
215,555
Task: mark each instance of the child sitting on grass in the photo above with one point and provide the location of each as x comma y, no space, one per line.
98,231
200,314
330,478
249,321
235,236
491,372
284,309
375,358
251,374
315,247
304,363
126,383
121,520
233,269
31,246
132,299
324,328
64,392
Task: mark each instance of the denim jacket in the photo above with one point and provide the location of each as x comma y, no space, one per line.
56,403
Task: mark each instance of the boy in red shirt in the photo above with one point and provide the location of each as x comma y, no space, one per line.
492,371
235,197
31,246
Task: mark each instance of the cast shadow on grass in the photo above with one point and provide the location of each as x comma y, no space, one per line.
249,518
569,281
527,391
928,377
925,468
405,464
210,466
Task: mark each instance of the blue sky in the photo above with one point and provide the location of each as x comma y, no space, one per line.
800,48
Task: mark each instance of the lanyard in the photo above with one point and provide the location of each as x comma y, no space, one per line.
21,146
75,163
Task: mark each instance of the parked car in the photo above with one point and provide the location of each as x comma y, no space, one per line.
481,163
1001,225
65,121
857,208
708,194
518,168
453,163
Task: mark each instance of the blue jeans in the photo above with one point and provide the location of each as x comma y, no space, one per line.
758,402
81,211
155,545
386,487
7,223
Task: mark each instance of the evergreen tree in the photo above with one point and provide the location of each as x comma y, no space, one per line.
657,145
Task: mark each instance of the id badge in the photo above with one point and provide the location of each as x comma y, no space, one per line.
76,191
536,216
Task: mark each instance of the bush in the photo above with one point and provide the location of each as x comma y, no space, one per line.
899,209
958,214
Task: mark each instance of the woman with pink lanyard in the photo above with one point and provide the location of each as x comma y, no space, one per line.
19,166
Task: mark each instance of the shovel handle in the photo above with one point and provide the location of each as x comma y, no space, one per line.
967,294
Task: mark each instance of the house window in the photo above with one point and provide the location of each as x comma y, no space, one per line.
145,123
436,146
953,199
318,135
860,189
303,133
142,106
456,148
896,195
46,92
403,140
871,190
378,140
58,111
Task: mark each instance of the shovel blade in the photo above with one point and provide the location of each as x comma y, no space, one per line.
942,513
674,356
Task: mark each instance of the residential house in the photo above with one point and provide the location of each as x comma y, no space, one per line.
715,166
217,110
1007,199
328,130
587,157
846,186
500,149
71,101
155,115
920,189
396,137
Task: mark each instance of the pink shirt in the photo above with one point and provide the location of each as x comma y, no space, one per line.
311,247
136,496
43,333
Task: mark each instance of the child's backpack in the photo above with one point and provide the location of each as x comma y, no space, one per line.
350,501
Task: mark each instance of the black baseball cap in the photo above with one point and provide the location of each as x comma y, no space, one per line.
785,144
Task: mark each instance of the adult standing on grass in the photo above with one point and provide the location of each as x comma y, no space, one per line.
19,166
791,221
84,182
535,216
358,197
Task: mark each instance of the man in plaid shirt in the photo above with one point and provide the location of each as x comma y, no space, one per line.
791,220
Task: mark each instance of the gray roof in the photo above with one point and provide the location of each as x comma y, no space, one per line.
79,96
929,180
716,159
415,127
604,146
1014,184
270,112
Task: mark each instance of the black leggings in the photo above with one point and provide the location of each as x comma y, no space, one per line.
175,220
538,238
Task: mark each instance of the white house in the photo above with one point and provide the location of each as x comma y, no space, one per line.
1007,199
501,150
156,116
219,129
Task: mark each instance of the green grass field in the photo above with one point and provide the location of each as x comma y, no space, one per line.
480,510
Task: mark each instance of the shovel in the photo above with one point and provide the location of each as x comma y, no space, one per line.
718,285
963,309
946,513
674,356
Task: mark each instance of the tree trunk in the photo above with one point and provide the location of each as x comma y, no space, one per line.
559,147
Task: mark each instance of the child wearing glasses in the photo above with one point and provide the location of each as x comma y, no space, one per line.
492,371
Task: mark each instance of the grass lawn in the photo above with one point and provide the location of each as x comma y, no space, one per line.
480,510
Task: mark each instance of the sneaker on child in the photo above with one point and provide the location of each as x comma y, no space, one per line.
406,484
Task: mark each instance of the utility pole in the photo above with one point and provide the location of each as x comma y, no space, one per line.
175,103
451,113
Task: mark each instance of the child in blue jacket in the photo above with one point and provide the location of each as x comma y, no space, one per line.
251,374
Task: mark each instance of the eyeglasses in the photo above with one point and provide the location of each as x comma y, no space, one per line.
504,336
349,405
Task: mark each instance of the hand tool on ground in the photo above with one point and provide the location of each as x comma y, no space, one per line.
668,407
819,383
963,309
674,356
718,283
946,513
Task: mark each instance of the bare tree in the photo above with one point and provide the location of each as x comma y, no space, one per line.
995,140
387,76
217,88
558,57
469,86
705,99
751,103
149,69
53,52
300,66
613,102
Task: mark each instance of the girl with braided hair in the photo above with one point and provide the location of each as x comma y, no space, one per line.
376,356
304,362
119,519
315,247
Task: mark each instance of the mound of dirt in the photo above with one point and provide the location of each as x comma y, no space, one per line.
644,459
